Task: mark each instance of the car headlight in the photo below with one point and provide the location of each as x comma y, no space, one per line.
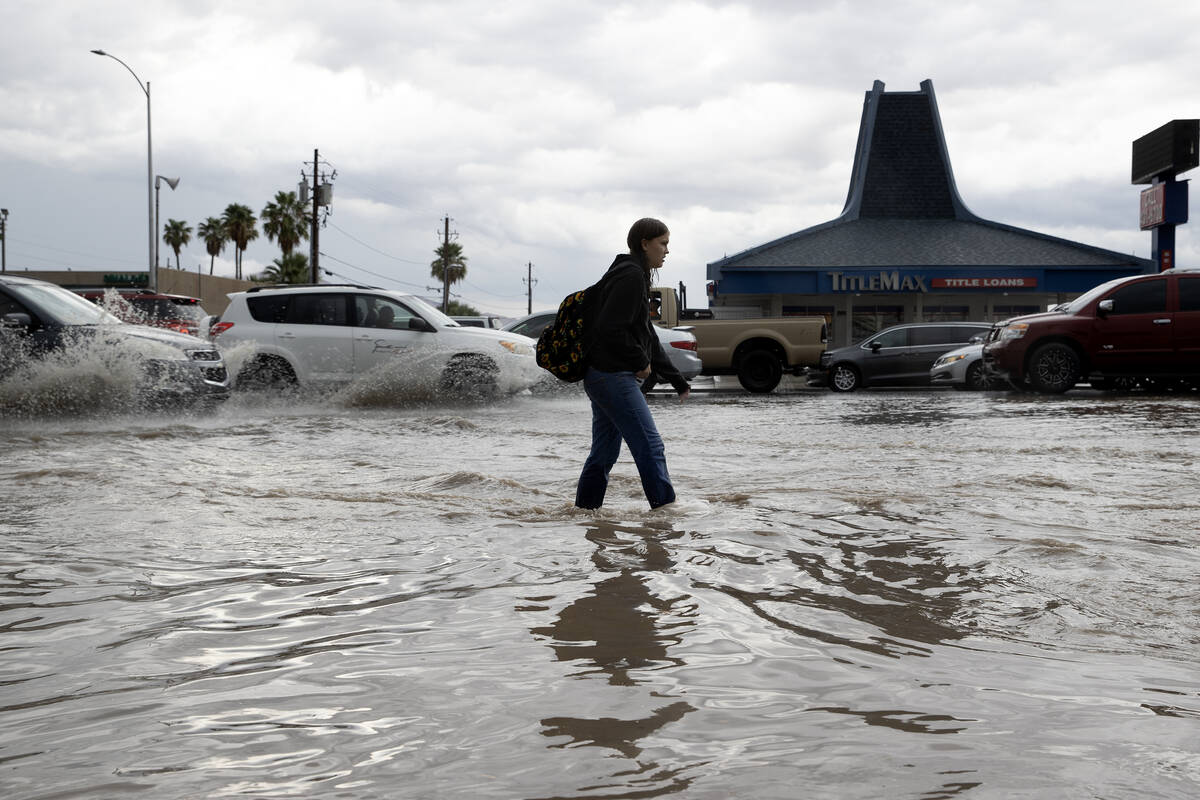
516,348
1014,331
944,360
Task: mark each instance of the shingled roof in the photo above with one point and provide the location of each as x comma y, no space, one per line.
903,208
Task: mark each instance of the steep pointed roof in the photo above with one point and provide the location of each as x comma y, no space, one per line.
903,208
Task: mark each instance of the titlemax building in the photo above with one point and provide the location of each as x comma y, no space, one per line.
906,248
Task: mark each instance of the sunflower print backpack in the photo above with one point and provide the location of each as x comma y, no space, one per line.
560,347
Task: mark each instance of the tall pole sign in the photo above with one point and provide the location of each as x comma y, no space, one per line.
1158,157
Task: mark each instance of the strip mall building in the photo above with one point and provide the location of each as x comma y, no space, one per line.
906,248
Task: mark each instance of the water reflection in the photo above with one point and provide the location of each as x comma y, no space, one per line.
904,592
619,630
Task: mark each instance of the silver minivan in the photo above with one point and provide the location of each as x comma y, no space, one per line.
897,356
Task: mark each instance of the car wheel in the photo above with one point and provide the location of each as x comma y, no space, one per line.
977,378
759,371
1054,368
470,376
844,378
266,373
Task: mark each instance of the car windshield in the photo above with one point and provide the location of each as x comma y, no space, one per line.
1080,302
66,308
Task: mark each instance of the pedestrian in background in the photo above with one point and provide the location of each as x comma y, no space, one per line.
621,349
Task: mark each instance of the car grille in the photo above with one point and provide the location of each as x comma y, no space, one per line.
204,355
214,374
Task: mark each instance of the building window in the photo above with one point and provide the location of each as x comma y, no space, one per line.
869,319
946,313
1004,312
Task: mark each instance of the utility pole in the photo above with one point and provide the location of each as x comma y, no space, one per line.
3,240
529,282
446,268
312,258
322,195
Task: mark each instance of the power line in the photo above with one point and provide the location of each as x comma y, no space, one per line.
370,247
369,272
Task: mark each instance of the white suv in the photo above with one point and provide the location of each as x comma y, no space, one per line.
331,334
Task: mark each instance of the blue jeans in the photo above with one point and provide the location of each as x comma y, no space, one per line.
619,411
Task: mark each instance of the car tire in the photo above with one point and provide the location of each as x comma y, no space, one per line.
1054,368
759,371
266,373
977,378
844,378
470,376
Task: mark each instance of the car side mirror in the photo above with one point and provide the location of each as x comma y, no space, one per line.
16,320
1104,307
420,324
876,347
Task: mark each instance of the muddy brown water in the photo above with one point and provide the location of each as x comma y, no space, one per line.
902,594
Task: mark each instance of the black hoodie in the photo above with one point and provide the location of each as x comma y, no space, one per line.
619,336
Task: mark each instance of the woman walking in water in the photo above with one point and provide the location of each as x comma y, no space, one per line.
622,348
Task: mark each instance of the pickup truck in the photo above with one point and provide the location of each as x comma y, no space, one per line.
757,351
1142,330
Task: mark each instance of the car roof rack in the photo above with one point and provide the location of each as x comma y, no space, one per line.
262,287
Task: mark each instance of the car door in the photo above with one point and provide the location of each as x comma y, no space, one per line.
925,344
316,334
1132,329
383,333
884,355
1185,329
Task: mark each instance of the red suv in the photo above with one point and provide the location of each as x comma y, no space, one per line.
1143,329
177,312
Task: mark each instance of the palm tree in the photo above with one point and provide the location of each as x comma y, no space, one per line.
239,225
284,222
213,232
176,233
449,268
290,268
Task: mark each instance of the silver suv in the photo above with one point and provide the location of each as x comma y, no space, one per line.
335,335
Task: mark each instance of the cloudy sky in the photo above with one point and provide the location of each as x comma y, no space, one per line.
543,129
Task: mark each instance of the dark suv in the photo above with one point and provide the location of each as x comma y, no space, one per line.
1139,330
897,356
47,330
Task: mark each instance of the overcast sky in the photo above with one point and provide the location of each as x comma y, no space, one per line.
543,129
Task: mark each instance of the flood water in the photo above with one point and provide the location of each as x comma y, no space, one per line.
891,594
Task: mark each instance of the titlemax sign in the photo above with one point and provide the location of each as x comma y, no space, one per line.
896,282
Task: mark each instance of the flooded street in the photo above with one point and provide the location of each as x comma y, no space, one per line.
905,594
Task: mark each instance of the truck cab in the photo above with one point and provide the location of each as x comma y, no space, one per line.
758,351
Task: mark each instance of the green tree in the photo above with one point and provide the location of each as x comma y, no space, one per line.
458,309
289,268
449,267
284,221
176,233
213,232
240,224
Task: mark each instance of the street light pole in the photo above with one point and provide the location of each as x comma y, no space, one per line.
172,182
150,258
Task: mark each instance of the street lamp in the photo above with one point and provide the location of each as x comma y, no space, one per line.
150,222
172,182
